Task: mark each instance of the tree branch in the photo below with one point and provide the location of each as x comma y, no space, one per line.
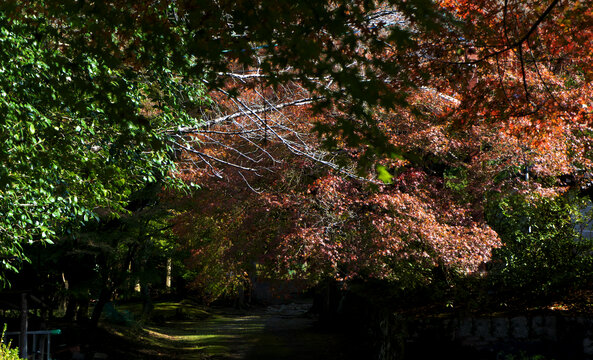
193,129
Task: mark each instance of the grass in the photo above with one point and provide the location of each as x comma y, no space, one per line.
166,311
183,330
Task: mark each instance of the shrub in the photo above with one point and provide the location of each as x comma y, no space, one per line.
6,351
542,254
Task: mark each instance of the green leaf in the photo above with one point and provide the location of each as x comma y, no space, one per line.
384,175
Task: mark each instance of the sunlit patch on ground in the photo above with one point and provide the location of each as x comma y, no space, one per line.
275,332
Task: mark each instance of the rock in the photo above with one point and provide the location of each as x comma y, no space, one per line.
500,327
588,344
519,327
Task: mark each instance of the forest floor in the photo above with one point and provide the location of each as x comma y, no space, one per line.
185,331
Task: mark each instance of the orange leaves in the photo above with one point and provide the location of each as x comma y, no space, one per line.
451,239
499,101
393,224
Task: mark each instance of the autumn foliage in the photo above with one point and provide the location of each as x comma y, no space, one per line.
496,103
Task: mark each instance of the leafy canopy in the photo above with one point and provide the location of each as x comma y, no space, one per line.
81,128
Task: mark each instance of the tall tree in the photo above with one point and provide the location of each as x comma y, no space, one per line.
496,104
102,96
89,90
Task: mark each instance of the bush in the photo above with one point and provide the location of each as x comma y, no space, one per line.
7,352
542,254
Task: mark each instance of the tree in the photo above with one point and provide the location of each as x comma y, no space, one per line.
92,92
426,95
543,256
481,113
78,134
104,259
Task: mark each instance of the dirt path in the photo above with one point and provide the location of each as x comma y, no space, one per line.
275,332
289,335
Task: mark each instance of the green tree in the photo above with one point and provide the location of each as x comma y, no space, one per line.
105,259
7,352
542,255
81,129
93,93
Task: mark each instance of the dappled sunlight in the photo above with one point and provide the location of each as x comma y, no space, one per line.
274,332
188,331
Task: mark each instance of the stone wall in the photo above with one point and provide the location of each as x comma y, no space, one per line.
553,336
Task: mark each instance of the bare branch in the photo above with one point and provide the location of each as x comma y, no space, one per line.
249,185
214,158
193,129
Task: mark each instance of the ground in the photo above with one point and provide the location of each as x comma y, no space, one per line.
187,331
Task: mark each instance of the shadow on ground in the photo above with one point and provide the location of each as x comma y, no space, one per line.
274,332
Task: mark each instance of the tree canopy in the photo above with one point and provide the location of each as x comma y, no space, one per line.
489,106
371,135
93,91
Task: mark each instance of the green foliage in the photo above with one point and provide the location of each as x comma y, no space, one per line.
6,351
129,250
111,256
80,129
542,253
384,175
456,179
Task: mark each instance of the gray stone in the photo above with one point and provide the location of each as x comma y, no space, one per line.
551,328
464,329
588,344
482,327
537,326
544,327
500,327
519,327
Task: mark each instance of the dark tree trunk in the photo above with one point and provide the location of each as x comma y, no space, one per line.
24,326
104,298
71,306
147,305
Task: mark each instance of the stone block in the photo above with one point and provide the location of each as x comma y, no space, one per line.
544,327
551,328
500,327
588,344
464,329
519,327
482,328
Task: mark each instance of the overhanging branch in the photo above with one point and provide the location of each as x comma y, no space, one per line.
193,129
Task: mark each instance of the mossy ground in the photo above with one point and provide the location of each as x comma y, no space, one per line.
188,331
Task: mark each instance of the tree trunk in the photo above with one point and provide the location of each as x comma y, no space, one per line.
147,305
24,325
104,297
169,272
70,309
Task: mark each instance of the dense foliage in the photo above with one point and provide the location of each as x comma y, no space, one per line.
81,127
394,140
491,127
543,254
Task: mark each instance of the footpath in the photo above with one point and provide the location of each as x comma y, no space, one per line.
285,332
